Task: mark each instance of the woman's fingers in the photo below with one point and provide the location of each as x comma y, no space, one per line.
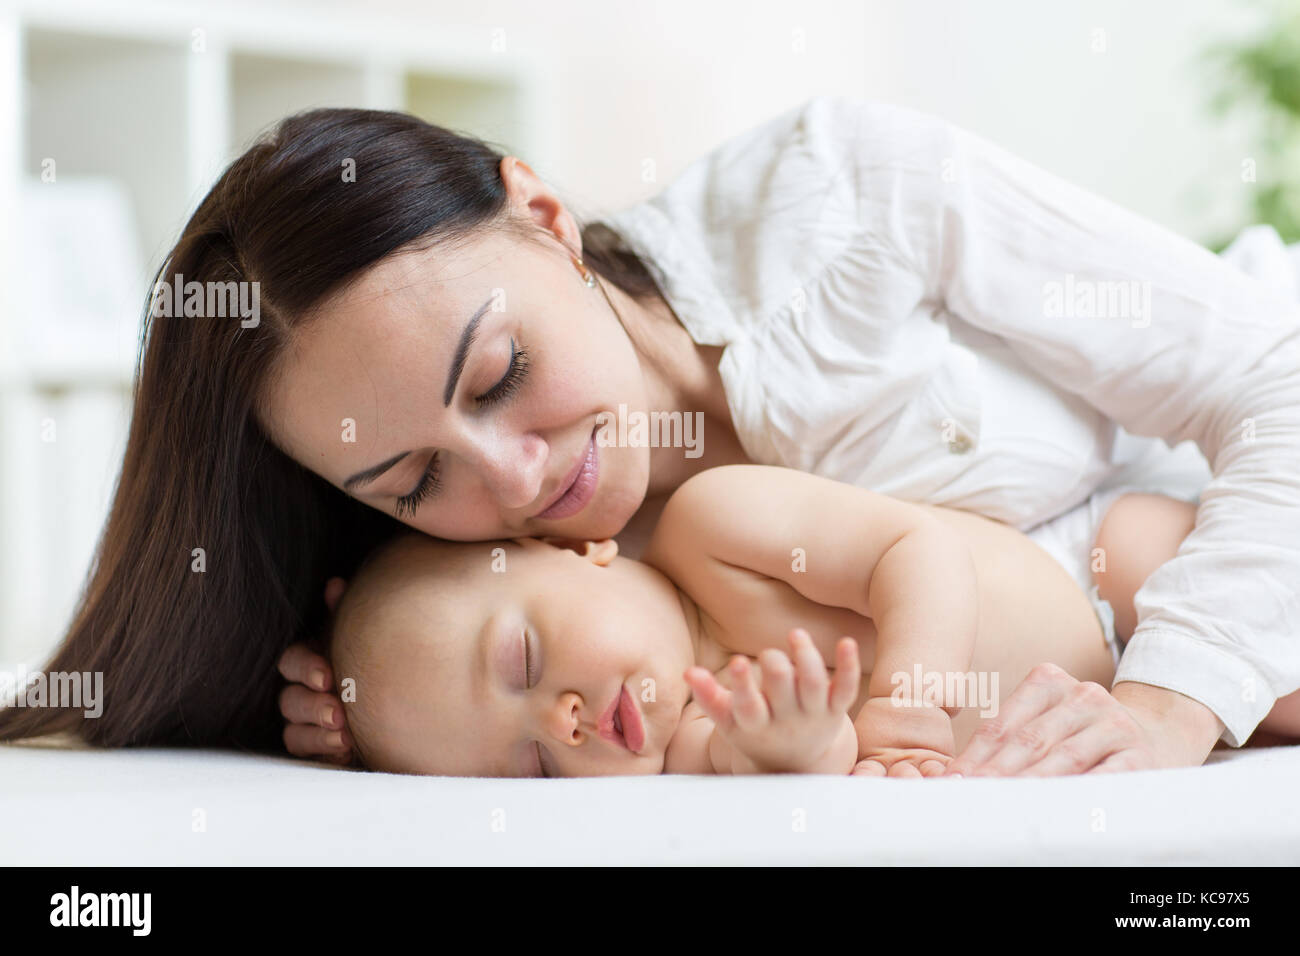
300,664
315,723
1121,762
308,740
1044,688
299,705
1087,749
1037,739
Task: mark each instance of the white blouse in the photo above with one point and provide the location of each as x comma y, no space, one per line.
908,307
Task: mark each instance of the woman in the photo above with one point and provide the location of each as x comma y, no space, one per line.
852,289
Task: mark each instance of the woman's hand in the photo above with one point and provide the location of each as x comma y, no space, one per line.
314,712
316,725
795,721
1053,724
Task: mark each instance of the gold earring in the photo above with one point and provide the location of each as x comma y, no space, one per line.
587,277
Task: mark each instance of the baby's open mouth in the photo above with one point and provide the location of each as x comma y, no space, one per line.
621,722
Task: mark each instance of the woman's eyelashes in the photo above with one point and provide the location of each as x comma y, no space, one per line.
506,386
509,383
428,486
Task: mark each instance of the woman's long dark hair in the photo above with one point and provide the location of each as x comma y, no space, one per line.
189,656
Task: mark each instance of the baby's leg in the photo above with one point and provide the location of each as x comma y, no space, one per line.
1139,533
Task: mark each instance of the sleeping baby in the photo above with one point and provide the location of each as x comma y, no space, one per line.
904,625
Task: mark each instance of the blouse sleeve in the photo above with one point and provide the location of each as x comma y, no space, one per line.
1156,332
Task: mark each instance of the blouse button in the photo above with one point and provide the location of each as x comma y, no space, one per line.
959,445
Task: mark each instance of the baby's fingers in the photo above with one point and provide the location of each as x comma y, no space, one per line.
778,682
748,706
713,698
811,677
847,677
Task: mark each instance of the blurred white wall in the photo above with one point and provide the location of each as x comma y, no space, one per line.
1112,95
669,79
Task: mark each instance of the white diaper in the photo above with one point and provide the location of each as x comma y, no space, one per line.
1143,465
1069,539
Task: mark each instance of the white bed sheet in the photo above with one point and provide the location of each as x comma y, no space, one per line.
137,807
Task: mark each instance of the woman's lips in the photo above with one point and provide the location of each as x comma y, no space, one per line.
621,723
579,486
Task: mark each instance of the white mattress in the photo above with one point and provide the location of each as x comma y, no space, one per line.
137,807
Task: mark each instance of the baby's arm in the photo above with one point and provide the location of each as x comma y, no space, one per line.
886,559
924,603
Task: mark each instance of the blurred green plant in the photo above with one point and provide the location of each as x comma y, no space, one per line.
1263,74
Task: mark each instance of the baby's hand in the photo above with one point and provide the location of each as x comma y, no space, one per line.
795,722
902,762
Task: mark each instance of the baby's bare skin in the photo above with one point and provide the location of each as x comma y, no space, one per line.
484,660
1028,609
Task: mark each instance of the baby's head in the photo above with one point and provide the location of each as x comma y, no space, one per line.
518,658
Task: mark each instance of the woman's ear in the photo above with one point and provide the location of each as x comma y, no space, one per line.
334,589
600,553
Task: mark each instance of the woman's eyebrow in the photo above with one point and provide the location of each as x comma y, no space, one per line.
373,472
462,351
467,336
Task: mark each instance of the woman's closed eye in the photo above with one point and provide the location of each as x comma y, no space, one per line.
428,486
506,386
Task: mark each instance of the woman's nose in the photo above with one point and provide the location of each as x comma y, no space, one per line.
513,470
564,722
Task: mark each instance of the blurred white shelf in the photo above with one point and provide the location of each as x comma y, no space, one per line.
157,98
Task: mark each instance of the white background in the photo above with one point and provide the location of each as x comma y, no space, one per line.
594,89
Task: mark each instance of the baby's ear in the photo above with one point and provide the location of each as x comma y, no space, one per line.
334,589
600,553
